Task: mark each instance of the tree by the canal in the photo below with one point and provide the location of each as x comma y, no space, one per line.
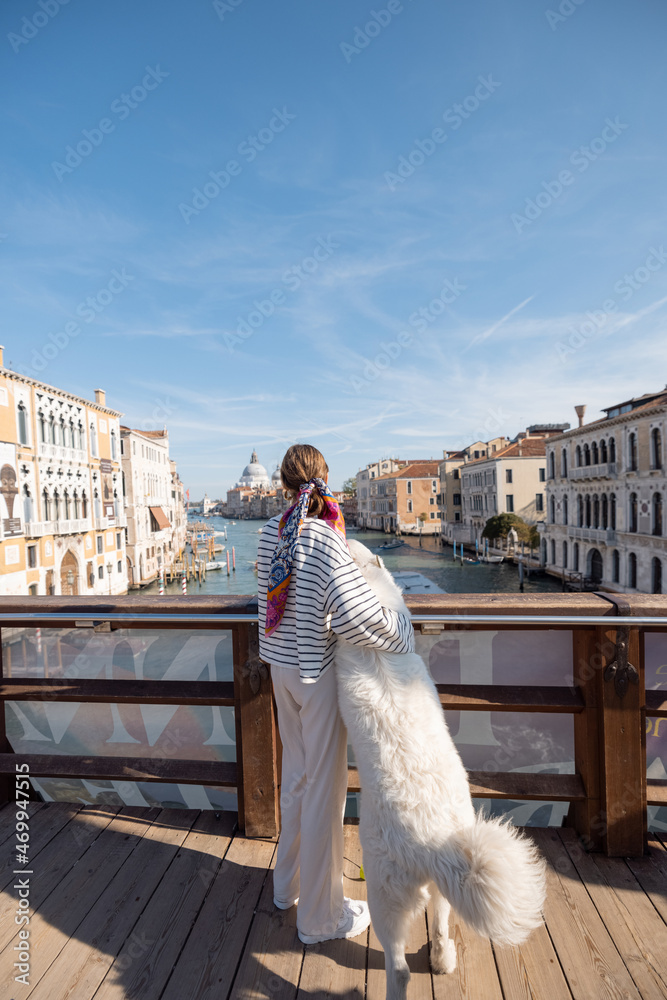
500,525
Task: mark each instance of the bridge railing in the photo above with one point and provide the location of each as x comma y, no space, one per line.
603,690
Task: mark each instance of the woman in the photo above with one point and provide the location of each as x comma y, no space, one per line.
310,591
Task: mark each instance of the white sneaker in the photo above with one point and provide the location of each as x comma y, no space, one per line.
354,921
285,906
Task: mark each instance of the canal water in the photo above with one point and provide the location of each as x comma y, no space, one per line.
431,559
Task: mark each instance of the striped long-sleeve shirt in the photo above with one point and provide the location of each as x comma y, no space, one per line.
327,596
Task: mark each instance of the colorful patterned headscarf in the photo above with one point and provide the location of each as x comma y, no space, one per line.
289,530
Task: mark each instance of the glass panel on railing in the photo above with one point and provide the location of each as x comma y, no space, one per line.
125,730
655,665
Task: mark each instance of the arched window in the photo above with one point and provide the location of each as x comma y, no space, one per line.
587,455
595,457
565,510
615,566
46,504
603,452
82,439
656,514
113,444
553,552
632,523
656,448
52,429
564,555
77,505
632,452
552,510
596,511
72,435
42,427
27,505
656,576
84,504
612,511
93,440
604,512
97,504
23,424
612,449
56,506
63,433
632,571
580,511
577,455
587,508
66,505
563,463
552,465
575,557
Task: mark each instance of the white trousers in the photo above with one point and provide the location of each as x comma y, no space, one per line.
309,860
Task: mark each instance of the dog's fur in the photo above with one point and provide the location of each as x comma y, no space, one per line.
418,828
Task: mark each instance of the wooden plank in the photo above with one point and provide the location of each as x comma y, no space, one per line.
511,785
511,604
205,967
7,785
636,929
532,970
43,827
141,692
656,792
273,955
476,976
590,961
257,760
186,772
509,698
621,746
53,863
8,818
651,873
338,968
82,964
170,913
585,815
67,906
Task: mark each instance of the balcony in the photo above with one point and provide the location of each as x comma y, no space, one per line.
181,898
605,471
603,536
75,526
59,453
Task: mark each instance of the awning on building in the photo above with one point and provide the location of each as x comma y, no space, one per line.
160,518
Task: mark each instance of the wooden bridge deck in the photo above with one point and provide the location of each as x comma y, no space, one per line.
172,904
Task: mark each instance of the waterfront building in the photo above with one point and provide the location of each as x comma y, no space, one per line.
449,499
255,493
606,488
154,503
511,479
62,523
348,506
405,500
364,477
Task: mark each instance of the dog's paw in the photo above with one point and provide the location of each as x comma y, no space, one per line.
443,956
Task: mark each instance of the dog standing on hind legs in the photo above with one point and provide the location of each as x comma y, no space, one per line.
419,832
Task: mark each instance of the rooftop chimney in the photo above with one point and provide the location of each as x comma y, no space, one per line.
580,410
101,397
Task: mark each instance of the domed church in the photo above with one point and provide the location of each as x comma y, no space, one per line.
254,475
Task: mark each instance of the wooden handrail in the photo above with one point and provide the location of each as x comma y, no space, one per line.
608,792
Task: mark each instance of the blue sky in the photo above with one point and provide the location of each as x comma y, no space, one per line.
383,229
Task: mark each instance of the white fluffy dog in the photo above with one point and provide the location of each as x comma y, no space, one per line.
418,828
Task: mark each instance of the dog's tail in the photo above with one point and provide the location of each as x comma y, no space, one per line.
494,877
